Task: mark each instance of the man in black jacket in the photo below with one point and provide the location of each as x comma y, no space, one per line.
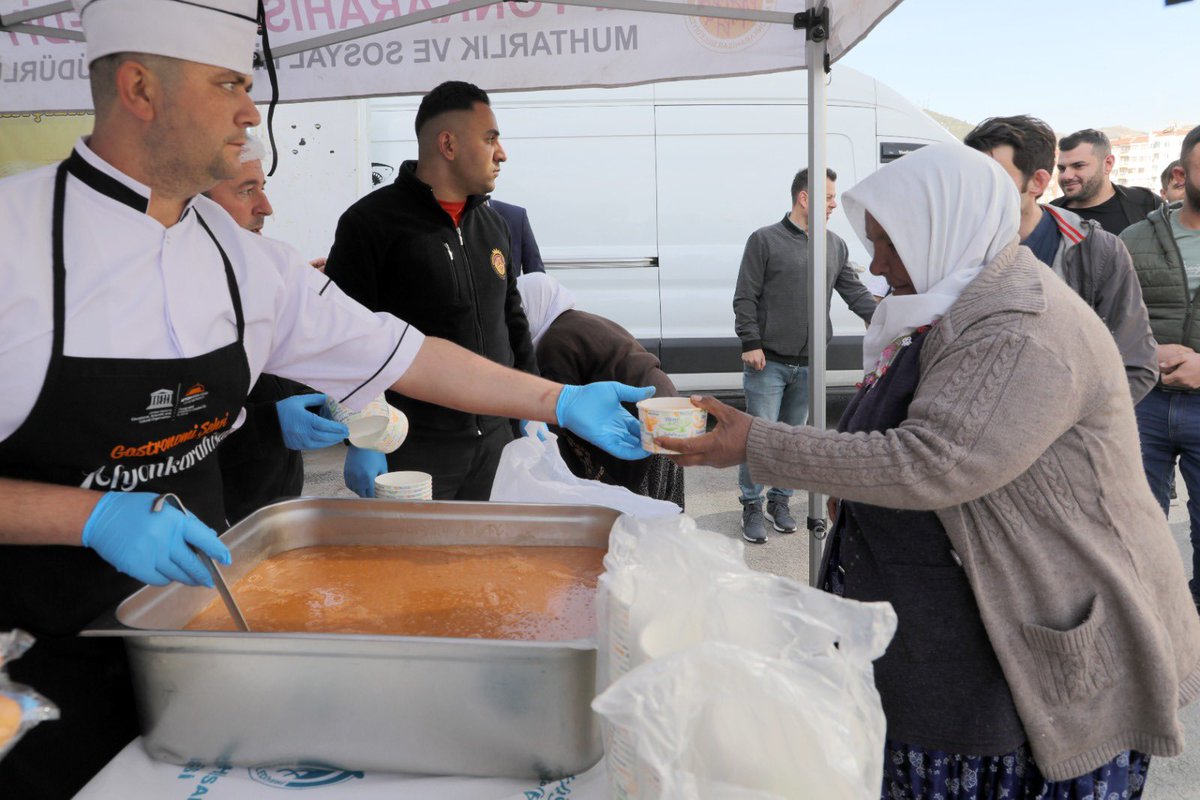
1085,161
429,249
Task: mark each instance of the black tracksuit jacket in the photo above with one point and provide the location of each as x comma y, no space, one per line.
397,250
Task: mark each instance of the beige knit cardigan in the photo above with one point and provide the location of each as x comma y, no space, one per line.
1021,437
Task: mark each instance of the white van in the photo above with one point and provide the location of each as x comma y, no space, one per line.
641,198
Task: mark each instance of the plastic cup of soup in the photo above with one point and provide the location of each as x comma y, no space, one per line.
673,417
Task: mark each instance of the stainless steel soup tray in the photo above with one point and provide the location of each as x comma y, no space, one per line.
395,703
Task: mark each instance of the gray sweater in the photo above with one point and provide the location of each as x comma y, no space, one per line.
770,302
1021,437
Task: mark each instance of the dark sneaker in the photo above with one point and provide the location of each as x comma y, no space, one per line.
781,517
754,529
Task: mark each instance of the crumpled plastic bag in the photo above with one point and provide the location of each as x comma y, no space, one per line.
720,721
653,572
670,589
21,708
531,470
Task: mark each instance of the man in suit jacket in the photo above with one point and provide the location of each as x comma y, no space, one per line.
525,254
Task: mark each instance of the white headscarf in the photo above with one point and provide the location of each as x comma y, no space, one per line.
544,299
949,210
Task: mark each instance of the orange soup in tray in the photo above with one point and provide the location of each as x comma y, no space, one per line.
533,593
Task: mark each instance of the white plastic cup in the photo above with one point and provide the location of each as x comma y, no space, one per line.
404,485
673,417
378,426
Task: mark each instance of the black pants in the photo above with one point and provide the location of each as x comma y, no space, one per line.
462,464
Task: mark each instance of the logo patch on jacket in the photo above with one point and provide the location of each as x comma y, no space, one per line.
498,263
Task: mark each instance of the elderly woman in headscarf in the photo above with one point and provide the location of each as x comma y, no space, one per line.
570,343
991,491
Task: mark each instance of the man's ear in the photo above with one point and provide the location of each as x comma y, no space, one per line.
802,199
1178,174
139,90
447,144
1037,184
1109,160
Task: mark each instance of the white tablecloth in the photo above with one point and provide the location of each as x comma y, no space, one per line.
133,775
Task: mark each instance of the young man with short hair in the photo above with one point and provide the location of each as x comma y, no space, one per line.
770,306
1085,161
1172,188
1091,260
429,249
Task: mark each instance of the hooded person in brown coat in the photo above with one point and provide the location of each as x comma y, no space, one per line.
567,342
991,490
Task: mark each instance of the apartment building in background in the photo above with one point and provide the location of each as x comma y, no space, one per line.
1141,157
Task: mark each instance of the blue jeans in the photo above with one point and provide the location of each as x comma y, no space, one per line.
779,393
1169,428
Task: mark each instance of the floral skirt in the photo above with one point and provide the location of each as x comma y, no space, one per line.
914,773
911,772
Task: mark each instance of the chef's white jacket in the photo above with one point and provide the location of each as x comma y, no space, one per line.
135,289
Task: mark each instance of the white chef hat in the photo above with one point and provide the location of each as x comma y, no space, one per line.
220,33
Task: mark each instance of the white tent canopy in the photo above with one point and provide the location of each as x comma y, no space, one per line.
328,49
335,49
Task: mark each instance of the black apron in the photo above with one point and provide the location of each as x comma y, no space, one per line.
107,424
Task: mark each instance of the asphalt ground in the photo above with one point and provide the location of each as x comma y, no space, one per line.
712,500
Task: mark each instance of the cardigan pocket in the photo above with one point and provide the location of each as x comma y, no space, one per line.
1076,664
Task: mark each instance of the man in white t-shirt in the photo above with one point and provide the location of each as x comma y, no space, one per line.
134,317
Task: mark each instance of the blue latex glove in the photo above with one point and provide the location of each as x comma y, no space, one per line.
304,429
362,467
595,412
524,425
151,546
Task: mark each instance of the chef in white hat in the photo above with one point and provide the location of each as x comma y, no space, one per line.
134,317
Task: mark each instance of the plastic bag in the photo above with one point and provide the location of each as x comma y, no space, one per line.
531,470
670,588
653,572
21,708
717,721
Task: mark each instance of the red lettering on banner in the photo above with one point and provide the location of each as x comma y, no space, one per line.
317,8
386,9
352,11
518,10
277,20
296,16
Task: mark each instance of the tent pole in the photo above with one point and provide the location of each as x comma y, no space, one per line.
814,59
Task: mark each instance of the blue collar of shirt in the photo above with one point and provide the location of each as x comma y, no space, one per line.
1043,239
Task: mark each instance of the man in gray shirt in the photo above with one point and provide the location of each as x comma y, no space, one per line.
770,306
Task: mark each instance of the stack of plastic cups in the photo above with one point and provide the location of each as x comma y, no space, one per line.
406,485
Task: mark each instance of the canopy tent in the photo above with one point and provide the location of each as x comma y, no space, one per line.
335,49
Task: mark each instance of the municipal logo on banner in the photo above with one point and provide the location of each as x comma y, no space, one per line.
498,263
301,776
729,35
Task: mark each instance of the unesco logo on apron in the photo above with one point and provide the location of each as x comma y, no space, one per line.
301,776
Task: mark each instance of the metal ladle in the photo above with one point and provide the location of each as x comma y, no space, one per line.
222,588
